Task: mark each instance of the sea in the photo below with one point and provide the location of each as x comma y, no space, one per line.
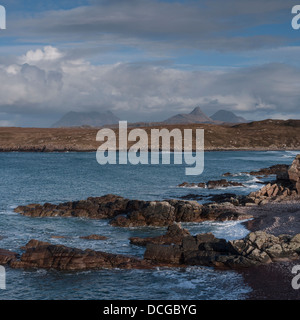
58,177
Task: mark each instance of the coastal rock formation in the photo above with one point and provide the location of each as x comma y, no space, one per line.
272,192
276,169
131,213
212,184
205,249
105,207
48,256
286,186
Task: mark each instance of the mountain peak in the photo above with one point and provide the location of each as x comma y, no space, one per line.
227,116
197,111
196,116
92,118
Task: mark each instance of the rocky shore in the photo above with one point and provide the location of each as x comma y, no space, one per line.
274,237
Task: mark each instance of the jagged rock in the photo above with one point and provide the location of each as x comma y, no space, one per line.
48,256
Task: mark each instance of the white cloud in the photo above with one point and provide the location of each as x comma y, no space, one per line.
49,81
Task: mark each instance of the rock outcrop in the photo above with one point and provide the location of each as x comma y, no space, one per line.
131,213
286,186
205,249
104,207
212,184
44,255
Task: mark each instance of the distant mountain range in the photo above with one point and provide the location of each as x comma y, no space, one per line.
198,116
97,119
92,119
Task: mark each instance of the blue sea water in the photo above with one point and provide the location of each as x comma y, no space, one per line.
57,177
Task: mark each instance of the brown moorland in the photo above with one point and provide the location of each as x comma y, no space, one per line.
258,135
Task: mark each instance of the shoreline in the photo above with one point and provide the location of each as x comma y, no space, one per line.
42,150
273,281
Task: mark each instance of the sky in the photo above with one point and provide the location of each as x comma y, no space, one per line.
147,60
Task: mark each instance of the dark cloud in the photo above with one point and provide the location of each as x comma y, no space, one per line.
170,25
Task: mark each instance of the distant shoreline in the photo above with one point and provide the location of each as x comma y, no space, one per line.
93,151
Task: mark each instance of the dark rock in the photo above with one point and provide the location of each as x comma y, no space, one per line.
223,183
278,169
105,207
213,184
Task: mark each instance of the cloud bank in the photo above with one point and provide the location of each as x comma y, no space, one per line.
48,79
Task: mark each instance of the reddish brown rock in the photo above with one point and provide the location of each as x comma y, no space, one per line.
175,234
47,256
6,256
94,237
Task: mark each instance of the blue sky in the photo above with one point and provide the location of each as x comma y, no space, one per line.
148,59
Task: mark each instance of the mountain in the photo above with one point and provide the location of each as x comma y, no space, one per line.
196,116
227,116
93,119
